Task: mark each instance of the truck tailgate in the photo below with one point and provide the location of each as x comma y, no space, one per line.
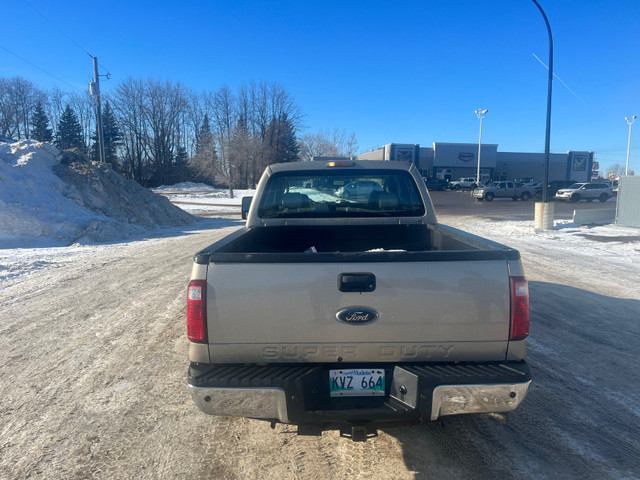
428,311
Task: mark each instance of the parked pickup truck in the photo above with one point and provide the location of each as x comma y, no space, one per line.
328,312
504,190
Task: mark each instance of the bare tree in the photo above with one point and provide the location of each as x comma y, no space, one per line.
128,103
163,106
224,122
18,99
192,121
338,143
55,106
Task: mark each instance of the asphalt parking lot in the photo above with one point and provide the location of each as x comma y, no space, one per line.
461,203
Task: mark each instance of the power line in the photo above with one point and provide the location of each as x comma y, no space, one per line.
58,28
40,68
84,50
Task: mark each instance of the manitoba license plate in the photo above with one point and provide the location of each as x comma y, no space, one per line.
356,382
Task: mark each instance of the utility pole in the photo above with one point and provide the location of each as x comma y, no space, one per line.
94,90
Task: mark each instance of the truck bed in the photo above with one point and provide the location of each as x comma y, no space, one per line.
352,243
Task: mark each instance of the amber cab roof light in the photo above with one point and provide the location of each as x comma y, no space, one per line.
341,164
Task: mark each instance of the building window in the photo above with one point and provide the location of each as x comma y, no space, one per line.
443,174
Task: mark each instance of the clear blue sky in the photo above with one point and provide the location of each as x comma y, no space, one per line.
405,72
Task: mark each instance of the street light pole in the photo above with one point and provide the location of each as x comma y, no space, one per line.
630,122
481,114
545,184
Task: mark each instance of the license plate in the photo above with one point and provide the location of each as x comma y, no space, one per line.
356,382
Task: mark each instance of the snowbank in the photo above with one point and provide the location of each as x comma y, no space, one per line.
53,199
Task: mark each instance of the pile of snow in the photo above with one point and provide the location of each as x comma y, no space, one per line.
52,198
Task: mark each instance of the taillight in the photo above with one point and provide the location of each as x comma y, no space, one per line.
197,311
519,308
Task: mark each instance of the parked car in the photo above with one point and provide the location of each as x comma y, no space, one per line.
465,182
436,184
552,187
585,191
536,187
503,190
359,190
556,185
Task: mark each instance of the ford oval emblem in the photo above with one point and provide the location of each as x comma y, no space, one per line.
357,315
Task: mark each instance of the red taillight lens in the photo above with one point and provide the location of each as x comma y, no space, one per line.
519,308
197,311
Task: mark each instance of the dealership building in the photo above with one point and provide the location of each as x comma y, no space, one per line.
451,161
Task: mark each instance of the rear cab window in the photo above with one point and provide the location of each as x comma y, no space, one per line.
329,194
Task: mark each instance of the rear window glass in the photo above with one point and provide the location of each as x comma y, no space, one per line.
341,194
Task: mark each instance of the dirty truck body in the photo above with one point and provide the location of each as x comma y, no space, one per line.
334,313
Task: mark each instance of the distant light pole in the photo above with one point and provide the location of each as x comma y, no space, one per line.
630,122
481,114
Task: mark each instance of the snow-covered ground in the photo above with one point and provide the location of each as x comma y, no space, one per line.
201,199
603,259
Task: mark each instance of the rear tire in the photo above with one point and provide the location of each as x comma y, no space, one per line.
604,197
526,196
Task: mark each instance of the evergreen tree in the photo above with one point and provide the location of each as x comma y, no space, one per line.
291,148
181,164
40,130
205,137
69,131
205,161
281,142
112,137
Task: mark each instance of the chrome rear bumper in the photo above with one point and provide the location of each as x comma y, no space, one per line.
271,403
263,403
458,399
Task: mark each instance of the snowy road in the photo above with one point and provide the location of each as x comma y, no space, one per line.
93,359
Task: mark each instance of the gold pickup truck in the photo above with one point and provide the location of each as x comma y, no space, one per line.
334,311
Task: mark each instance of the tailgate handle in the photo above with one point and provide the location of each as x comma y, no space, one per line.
356,282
